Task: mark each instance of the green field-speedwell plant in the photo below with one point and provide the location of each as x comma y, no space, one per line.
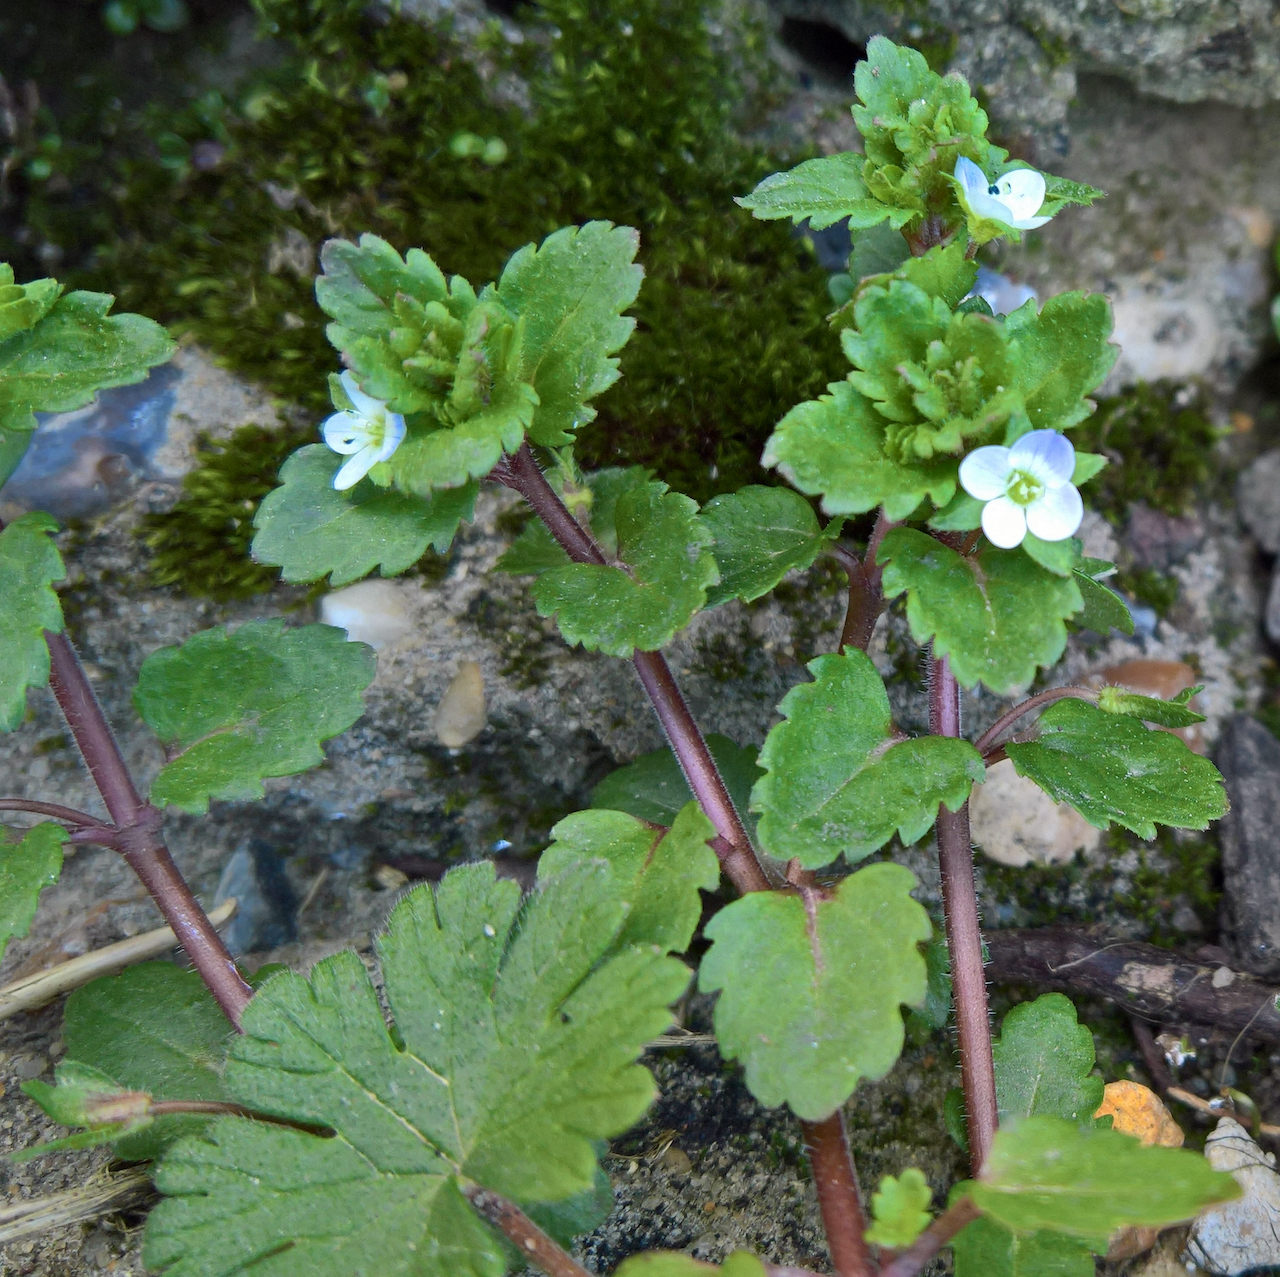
452,1127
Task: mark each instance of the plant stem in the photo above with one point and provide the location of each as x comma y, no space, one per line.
138,830
993,733
737,857
932,1240
56,811
839,1195
964,934
526,1236
866,599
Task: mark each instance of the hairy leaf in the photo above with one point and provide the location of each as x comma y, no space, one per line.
1050,1173
66,355
152,1028
833,447
1060,354
22,306
1044,1061
310,531
513,1049
654,788
27,866
996,615
1171,713
246,705
810,985
663,870
616,611
986,1249
825,190
900,1209
839,779
761,534
29,564
571,292
1103,608
1111,768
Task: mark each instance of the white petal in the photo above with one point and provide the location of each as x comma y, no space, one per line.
1004,523
971,177
1057,514
984,205
984,473
346,433
1032,223
393,435
365,405
355,468
1021,191
1047,455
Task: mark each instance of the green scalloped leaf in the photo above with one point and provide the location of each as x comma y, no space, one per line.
839,779
833,447
1044,1060
825,190
811,984
675,1263
27,866
22,306
245,705
70,352
310,531
571,291
29,564
760,534
1104,609
900,1209
1110,767
1060,355
506,1014
985,1249
1052,1174
995,616
669,567
664,869
1171,713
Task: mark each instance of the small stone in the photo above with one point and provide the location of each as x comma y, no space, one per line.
1222,977
1271,616
676,1160
1242,1235
267,906
389,878
460,717
1016,823
371,612
1138,1111
1158,540
1249,759
1258,500
25,1067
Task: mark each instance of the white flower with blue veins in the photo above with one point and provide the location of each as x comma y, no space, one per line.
366,433
1014,198
1027,488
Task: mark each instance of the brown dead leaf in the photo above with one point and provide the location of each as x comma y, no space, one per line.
1138,1111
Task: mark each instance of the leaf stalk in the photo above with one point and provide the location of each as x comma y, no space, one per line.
985,744
523,1233
909,1262
839,1196
964,934
137,832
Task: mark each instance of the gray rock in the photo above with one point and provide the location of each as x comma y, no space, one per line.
1241,1236
1158,540
1025,55
1258,500
1249,758
267,903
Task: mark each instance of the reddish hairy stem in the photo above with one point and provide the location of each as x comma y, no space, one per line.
137,835
910,1261
839,1195
964,935
993,733
524,1234
522,473
866,599
56,811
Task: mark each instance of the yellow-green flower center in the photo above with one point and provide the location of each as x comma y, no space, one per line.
1024,488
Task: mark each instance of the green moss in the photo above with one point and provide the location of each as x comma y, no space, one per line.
1176,867
1156,589
202,543
1160,444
